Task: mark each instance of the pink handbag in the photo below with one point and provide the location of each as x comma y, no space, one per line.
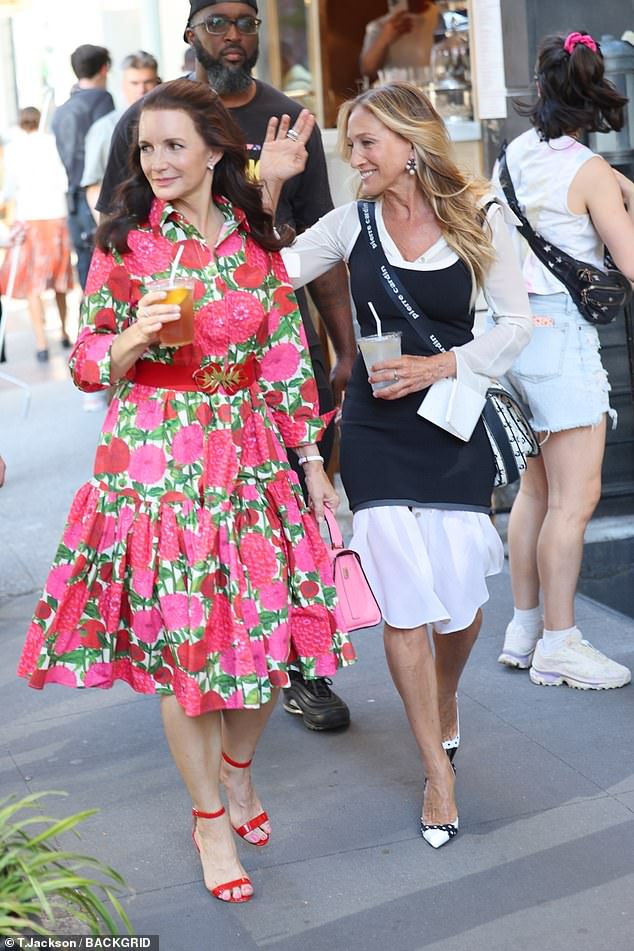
357,604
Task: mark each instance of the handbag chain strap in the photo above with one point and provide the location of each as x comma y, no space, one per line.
418,320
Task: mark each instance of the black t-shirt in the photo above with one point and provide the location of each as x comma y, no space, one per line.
304,199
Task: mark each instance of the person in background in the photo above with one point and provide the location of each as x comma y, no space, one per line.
297,80
139,76
224,36
189,61
35,185
190,566
573,198
89,100
420,497
400,39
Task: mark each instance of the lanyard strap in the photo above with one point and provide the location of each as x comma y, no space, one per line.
413,314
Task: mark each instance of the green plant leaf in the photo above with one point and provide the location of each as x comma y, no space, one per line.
38,880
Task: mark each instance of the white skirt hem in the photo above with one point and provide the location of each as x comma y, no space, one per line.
427,566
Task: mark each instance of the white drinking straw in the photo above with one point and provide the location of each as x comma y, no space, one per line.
376,319
179,254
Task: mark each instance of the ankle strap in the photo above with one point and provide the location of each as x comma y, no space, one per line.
234,763
208,815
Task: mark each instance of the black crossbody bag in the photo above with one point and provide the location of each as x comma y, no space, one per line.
598,295
510,435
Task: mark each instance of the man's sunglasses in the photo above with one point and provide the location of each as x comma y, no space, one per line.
218,25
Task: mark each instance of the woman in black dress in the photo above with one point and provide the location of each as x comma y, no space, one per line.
420,496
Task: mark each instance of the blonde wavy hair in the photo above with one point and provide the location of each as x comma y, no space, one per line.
455,198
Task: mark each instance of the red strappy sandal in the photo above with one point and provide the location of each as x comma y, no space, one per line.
252,824
226,886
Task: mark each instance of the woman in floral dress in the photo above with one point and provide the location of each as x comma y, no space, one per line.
190,566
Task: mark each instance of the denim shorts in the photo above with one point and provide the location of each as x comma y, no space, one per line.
559,377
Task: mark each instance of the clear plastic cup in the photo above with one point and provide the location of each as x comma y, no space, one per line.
374,349
177,333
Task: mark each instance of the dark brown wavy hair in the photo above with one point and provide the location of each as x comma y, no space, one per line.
133,197
573,93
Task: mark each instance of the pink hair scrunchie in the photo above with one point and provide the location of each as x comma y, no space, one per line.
573,39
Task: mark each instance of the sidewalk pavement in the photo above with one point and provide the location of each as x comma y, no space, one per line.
544,858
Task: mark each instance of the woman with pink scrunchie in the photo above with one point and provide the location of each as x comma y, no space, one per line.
578,203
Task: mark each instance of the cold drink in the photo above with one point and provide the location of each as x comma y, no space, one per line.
177,333
375,349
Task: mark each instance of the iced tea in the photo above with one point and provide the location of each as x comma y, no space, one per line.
177,333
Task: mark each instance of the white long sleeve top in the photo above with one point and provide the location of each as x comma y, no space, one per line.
491,353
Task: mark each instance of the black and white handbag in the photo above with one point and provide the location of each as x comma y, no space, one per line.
510,435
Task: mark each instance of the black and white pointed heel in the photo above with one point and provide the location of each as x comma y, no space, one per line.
439,835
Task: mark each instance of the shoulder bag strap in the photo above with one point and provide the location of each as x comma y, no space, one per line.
419,321
412,313
547,253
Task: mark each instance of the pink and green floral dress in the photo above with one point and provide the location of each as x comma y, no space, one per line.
190,564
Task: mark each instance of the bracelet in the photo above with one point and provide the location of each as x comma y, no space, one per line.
316,458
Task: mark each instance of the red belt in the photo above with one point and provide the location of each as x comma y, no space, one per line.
209,378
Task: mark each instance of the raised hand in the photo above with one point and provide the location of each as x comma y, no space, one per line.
395,26
284,152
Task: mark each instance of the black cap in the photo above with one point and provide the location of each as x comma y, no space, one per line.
196,5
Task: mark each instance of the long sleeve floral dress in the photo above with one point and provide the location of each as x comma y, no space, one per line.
189,564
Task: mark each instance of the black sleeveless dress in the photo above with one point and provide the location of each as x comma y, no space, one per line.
389,454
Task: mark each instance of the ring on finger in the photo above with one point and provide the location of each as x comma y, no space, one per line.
292,134
396,377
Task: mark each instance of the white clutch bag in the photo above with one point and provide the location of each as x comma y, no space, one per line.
456,403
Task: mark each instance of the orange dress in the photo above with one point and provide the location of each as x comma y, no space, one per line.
35,181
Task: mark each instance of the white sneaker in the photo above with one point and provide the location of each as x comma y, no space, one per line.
518,646
578,664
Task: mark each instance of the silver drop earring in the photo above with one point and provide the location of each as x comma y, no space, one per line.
411,165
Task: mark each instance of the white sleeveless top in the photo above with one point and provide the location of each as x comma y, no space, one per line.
542,173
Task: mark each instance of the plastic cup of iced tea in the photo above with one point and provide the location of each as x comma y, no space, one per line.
177,333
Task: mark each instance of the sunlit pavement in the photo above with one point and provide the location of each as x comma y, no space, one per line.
543,861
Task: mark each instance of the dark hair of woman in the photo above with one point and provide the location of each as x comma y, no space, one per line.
133,197
573,93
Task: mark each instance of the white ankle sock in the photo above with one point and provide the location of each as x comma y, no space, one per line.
531,620
552,640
